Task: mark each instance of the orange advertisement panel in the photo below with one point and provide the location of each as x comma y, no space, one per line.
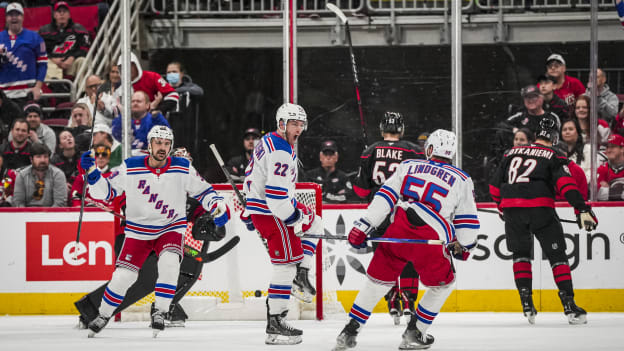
50,246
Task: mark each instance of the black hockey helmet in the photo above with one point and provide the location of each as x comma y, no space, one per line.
392,122
548,130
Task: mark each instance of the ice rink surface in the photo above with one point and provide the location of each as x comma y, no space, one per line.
453,331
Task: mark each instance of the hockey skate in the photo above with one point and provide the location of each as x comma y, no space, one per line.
407,302
346,339
528,309
394,305
158,322
575,314
302,289
279,332
414,339
97,325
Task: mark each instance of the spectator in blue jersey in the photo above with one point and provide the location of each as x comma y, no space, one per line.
142,121
67,43
23,58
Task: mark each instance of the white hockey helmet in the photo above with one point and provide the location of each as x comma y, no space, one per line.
159,131
441,143
290,111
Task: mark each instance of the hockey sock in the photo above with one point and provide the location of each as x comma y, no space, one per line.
430,305
563,278
522,273
309,248
366,300
280,286
114,293
168,270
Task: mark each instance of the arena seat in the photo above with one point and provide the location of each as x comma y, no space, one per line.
87,16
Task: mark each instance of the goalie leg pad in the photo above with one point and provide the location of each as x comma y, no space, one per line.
114,293
280,287
168,270
430,305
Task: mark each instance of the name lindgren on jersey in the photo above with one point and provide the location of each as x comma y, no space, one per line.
156,197
441,194
270,178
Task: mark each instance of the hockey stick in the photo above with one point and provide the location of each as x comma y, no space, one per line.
377,240
211,256
84,186
106,209
236,191
498,213
333,8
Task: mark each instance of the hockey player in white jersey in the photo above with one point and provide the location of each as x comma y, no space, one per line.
427,199
273,210
156,188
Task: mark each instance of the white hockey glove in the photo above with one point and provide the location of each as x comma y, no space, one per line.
586,219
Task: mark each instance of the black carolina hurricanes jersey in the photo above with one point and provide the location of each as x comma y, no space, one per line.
379,161
529,175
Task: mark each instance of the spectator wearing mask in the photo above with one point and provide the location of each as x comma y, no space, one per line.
67,43
181,82
37,131
611,174
183,120
336,185
102,134
40,184
105,111
552,102
23,58
66,158
141,123
16,153
162,95
236,165
607,100
566,87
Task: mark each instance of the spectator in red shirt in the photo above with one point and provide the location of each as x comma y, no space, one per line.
611,174
567,88
162,95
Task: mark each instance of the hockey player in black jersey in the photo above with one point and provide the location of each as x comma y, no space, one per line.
524,188
377,163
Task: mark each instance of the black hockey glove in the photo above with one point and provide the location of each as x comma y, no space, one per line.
586,219
205,228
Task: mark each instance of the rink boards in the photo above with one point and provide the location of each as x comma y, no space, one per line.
39,277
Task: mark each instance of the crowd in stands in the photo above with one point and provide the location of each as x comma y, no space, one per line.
39,163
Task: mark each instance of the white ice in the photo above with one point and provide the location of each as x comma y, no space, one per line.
452,331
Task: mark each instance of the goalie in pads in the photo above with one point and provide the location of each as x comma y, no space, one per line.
427,199
273,210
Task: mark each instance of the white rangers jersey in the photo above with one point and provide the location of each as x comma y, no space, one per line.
441,194
270,178
156,198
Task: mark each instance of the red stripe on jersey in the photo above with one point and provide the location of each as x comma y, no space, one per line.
565,184
360,191
537,202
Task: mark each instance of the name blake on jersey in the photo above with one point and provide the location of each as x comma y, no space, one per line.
153,198
531,151
445,176
389,153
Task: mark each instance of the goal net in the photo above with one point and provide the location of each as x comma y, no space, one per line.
234,287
